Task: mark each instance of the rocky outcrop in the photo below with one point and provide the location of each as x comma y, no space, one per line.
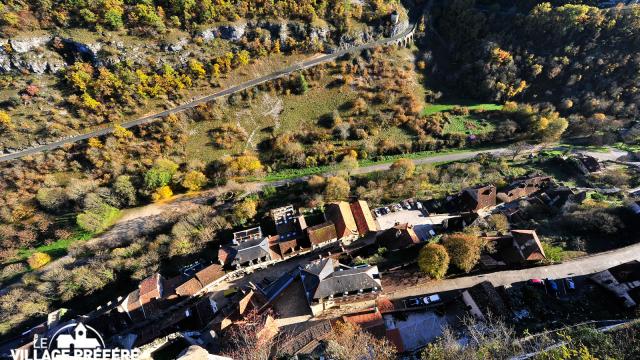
26,44
175,46
45,53
233,32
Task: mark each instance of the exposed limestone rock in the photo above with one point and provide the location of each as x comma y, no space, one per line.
208,34
23,45
176,46
233,32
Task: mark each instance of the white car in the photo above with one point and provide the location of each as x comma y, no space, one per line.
431,299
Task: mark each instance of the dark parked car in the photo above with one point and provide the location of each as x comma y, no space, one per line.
571,286
552,285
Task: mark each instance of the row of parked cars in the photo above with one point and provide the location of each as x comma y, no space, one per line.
403,205
553,286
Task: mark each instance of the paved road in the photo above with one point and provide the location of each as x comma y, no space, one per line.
311,62
581,266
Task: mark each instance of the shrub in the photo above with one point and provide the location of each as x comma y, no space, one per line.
244,211
464,250
194,180
162,193
52,199
337,188
98,218
38,260
403,168
433,260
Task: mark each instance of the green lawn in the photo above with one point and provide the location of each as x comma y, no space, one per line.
57,248
435,108
469,125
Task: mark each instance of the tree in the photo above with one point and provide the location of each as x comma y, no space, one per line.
348,341
350,162
52,199
196,68
433,260
121,133
499,222
246,164
95,143
464,250
98,218
194,180
216,71
337,188
245,210
302,85
403,168
254,338
38,260
5,121
518,148
160,174
125,191
162,193
243,57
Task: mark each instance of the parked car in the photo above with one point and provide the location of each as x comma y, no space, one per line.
431,299
396,207
553,287
386,209
418,205
406,205
536,281
571,286
412,302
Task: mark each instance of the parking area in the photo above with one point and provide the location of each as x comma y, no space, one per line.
411,212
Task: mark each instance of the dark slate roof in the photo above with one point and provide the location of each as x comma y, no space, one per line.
251,250
274,289
245,251
342,281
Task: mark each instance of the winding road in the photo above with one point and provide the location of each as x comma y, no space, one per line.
311,62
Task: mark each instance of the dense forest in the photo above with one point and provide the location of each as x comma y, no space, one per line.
579,59
153,16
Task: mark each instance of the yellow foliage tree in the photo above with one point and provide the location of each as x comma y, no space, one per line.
243,57
162,193
244,165
216,71
38,260
90,103
196,68
95,143
194,180
121,133
5,120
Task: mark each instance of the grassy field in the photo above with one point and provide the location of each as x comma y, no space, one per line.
470,125
299,112
435,108
58,248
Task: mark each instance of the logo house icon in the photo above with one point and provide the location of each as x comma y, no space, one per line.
79,339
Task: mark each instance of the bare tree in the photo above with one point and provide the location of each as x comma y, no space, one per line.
518,148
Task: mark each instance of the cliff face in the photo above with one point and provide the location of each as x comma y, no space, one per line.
49,54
